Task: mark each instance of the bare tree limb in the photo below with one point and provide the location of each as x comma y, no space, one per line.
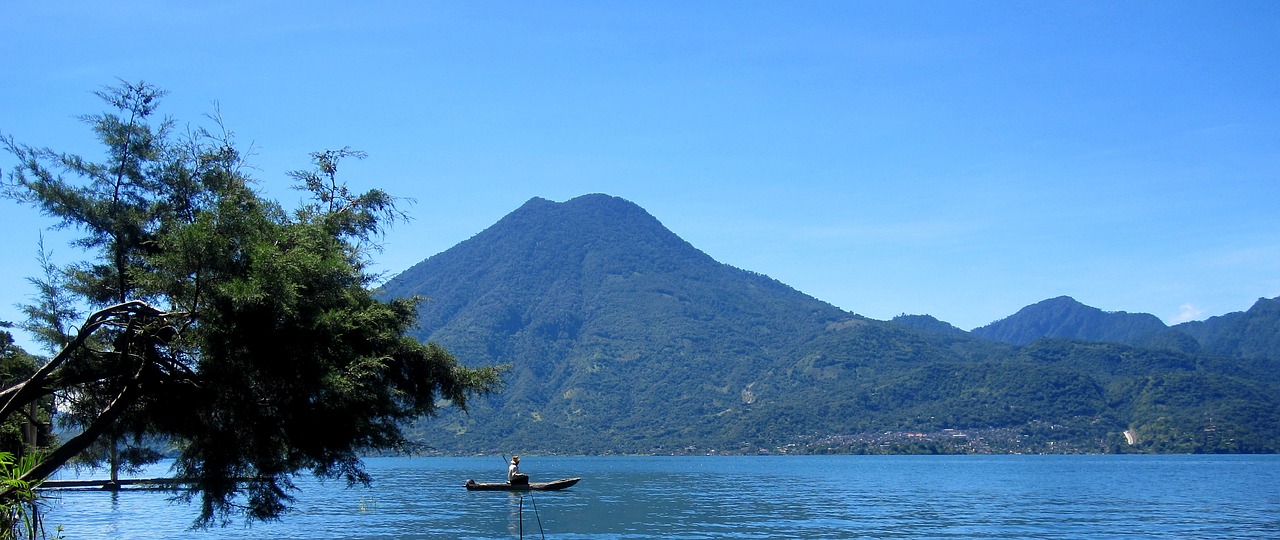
59,457
22,393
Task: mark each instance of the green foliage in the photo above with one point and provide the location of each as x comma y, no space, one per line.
270,356
16,365
20,513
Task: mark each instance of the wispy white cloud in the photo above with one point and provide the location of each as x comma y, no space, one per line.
1188,312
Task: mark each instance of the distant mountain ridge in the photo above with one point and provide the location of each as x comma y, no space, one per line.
928,323
1252,334
1064,317
621,337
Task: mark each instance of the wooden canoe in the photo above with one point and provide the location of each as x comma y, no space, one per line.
472,485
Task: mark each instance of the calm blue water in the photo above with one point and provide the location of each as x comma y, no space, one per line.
750,497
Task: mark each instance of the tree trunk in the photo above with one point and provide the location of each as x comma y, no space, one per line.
100,426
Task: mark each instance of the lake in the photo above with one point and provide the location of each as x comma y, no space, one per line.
748,497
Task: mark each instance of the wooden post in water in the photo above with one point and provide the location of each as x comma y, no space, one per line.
114,484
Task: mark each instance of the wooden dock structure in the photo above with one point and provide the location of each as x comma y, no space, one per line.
130,483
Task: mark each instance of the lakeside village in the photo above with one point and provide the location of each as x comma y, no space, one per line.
946,441
1033,439
950,441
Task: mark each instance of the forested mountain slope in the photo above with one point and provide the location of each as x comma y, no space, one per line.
1064,317
1250,334
614,326
623,338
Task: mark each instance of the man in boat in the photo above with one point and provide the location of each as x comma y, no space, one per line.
514,476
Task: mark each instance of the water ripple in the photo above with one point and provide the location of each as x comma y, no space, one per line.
846,497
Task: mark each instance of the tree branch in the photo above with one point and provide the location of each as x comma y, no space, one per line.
59,457
25,391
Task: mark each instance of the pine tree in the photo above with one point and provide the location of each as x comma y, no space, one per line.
244,335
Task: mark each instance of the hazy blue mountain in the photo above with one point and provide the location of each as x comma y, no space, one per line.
623,338
1064,317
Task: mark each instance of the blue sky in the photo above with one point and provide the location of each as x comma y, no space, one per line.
960,159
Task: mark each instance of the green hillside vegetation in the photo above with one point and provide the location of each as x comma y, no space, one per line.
1253,334
1064,317
927,323
623,338
1250,334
